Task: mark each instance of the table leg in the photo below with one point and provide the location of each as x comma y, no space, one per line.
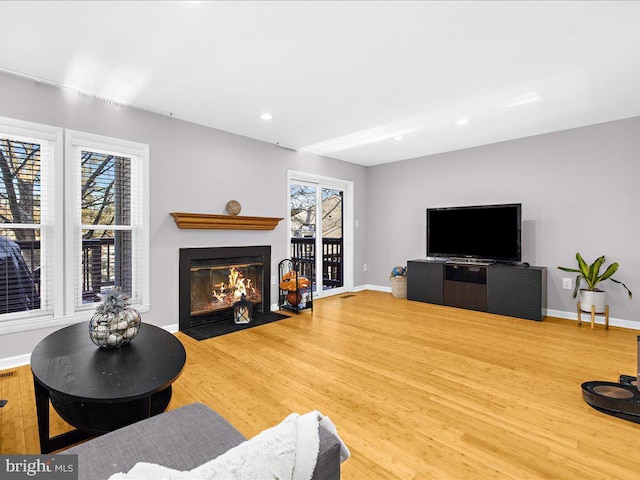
593,316
606,317
42,412
48,444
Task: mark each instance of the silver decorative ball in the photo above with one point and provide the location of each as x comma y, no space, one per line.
233,207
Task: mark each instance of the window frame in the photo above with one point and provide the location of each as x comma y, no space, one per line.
20,321
75,142
61,227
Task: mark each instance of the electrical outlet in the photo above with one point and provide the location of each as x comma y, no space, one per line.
566,283
364,267
273,279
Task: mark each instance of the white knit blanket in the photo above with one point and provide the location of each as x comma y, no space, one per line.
287,451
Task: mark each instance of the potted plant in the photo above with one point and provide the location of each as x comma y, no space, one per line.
399,281
591,275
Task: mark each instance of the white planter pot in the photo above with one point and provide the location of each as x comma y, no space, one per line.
597,298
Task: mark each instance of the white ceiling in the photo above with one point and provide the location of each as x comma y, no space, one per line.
343,78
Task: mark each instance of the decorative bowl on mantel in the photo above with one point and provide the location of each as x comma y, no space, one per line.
233,207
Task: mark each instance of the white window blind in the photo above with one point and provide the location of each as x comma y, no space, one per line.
27,223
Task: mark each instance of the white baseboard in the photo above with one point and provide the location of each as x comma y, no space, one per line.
376,288
586,317
173,328
13,362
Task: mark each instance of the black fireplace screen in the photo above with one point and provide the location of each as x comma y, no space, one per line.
217,284
212,279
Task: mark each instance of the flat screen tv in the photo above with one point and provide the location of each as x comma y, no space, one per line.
483,232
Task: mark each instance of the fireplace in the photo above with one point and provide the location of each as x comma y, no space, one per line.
212,279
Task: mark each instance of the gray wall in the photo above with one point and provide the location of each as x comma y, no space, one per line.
197,169
192,169
579,191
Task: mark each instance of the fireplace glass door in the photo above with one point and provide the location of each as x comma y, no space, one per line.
217,284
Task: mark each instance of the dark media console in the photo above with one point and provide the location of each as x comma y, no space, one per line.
512,290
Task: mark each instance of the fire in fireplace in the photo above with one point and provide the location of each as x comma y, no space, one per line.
213,279
216,287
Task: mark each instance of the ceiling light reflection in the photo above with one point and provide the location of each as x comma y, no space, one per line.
529,97
122,84
358,139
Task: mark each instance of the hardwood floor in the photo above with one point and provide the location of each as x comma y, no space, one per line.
417,391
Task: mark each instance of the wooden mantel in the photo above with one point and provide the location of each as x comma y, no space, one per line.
223,222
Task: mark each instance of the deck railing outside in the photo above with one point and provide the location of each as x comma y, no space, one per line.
97,264
332,268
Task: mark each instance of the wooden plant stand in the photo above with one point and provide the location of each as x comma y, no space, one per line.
593,316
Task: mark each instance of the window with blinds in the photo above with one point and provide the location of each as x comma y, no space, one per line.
25,242
108,213
73,223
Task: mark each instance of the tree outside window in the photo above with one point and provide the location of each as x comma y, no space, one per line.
20,201
106,223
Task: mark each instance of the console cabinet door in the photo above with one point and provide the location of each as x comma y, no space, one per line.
517,291
425,281
465,286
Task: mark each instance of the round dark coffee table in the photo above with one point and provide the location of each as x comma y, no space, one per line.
98,390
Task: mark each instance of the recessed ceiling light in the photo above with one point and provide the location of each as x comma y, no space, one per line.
462,121
398,138
266,116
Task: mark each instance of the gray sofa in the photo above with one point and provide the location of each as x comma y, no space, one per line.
181,439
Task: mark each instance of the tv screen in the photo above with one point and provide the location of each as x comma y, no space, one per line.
487,232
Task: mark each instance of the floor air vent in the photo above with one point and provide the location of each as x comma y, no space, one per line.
349,295
12,373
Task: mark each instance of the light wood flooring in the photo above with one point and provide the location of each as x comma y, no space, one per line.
417,391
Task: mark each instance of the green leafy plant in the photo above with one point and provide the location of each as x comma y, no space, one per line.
591,274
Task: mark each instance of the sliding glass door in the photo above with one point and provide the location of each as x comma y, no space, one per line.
318,233
331,237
